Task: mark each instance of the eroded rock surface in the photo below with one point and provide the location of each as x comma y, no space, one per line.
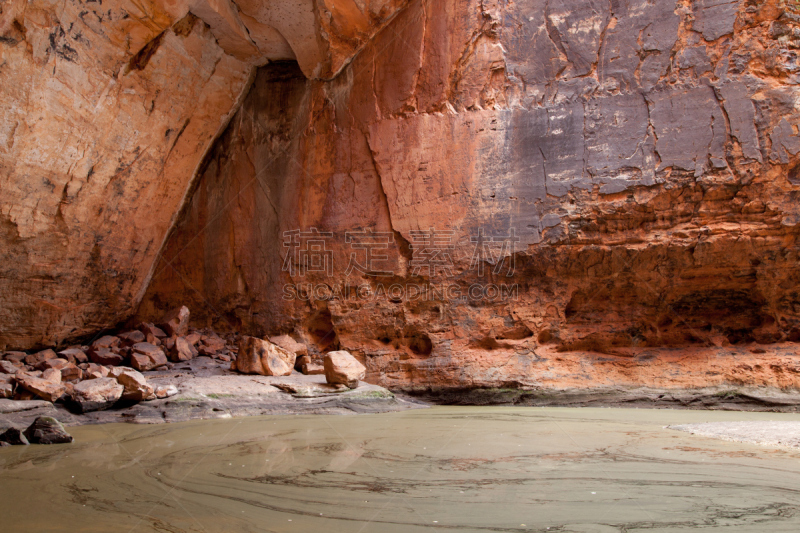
107,110
615,178
627,171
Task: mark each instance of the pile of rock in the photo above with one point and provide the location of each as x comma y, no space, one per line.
43,430
109,369
278,356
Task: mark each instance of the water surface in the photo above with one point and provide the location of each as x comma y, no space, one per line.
447,469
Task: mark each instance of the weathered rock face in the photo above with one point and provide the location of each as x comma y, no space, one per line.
106,112
612,177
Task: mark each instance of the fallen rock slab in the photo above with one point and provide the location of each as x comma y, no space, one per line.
176,322
182,350
258,356
136,387
96,394
15,406
342,368
43,388
36,358
47,430
146,356
105,357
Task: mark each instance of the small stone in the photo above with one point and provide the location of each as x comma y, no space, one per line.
74,355
146,356
36,358
96,394
95,370
213,342
106,341
52,375
6,386
258,356
165,391
341,367
150,330
71,373
47,430
193,338
131,337
14,437
310,369
176,322
7,367
206,351
52,363
43,388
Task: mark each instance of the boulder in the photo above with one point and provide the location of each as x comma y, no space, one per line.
47,430
193,338
131,337
182,350
150,330
291,345
71,373
7,386
136,387
52,375
14,436
214,343
7,367
15,357
74,355
43,388
93,371
258,356
96,394
146,356
106,341
105,357
36,358
165,391
342,368
176,322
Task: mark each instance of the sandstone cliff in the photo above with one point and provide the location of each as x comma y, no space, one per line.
107,110
627,170
642,155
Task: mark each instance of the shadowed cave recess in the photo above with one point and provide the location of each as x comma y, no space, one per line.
569,194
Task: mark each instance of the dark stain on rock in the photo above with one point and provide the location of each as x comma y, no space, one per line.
140,60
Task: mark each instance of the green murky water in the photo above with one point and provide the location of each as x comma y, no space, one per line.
462,469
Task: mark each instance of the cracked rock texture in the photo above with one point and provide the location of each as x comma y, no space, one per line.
645,155
107,110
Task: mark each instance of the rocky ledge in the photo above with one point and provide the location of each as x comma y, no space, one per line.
209,389
170,372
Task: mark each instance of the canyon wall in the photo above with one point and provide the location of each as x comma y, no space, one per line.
107,110
523,193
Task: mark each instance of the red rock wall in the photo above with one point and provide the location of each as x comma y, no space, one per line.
106,111
643,153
